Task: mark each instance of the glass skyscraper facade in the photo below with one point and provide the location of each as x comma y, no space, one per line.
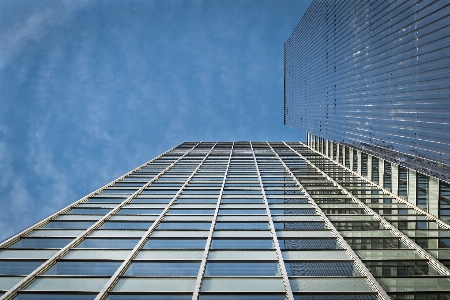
237,220
374,75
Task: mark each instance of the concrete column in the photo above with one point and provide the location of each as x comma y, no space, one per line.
330,151
381,172
322,146
412,186
394,178
338,155
326,147
343,154
369,166
359,162
433,196
350,158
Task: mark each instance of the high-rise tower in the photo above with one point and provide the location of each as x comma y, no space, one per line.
235,220
374,75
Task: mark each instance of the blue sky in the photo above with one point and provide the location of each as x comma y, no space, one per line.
91,89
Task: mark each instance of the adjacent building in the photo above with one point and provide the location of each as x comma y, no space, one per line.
233,220
374,76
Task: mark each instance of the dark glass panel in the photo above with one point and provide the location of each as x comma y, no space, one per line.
163,269
88,268
242,269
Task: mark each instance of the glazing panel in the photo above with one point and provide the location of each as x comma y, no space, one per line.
155,285
126,225
304,234
8,282
191,212
149,297
299,226
55,232
30,254
67,284
178,268
242,269
140,211
244,297
242,234
188,218
240,285
241,244
242,226
415,285
242,212
237,218
175,244
18,267
88,211
147,218
185,225
91,268
78,218
117,233
108,243
297,244
96,254
295,268
68,225
43,296
304,218
242,255
170,255
340,296
315,255
40,243
329,284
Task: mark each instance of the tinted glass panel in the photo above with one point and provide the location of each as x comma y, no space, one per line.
163,269
17,267
84,268
41,243
242,225
242,269
308,244
175,244
321,269
241,244
109,243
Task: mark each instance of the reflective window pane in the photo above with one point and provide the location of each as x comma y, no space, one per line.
163,269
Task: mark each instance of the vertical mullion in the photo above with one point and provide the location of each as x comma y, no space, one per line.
103,294
287,285
26,231
201,271
11,293
443,270
361,266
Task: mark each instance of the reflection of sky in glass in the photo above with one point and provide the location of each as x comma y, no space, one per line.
383,81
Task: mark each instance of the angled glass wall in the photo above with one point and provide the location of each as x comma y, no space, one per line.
233,221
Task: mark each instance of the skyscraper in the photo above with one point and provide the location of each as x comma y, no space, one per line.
374,75
235,220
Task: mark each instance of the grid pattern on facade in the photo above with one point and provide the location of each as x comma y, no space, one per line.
232,221
373,73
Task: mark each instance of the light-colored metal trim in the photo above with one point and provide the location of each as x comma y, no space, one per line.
286,283
103,294
443,270
12,293
16,237
357,261
201,271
